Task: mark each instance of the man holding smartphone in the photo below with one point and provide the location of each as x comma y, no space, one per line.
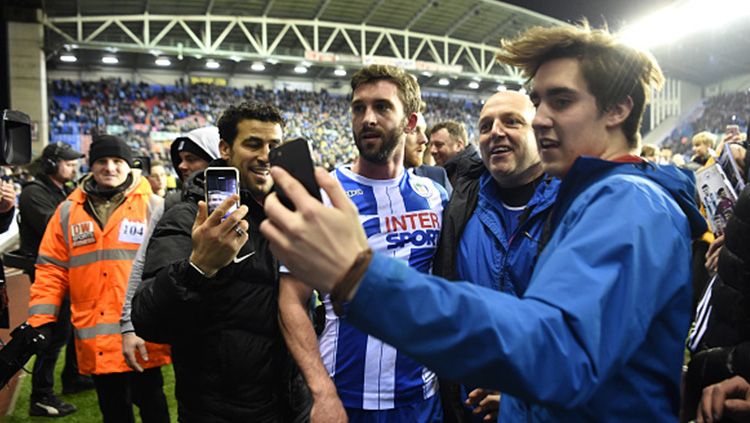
401,214
210,289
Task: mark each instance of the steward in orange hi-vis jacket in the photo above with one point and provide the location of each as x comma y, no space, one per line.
88,250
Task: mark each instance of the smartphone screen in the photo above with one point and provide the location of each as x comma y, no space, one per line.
220,183
294,157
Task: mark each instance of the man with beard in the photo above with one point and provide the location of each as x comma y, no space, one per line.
401,214
39,199
415,146
210,289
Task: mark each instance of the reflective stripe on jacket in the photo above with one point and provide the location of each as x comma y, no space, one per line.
94,265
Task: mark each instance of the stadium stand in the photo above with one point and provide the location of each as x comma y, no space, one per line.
717,112
135,111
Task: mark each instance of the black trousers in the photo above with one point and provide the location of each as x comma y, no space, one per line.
117,392
43,373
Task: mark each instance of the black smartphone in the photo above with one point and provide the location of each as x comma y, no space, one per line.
220,183
294,157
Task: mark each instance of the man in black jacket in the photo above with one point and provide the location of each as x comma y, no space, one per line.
39,200
210,290
450,147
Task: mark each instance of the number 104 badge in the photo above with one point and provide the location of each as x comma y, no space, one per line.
132,231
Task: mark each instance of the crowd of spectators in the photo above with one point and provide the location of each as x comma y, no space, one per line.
138,109
724,109
718,112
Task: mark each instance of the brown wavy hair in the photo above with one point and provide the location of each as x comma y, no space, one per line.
613,71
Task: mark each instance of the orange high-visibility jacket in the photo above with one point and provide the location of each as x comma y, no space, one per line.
94,265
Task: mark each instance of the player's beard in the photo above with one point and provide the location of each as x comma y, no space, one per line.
382,152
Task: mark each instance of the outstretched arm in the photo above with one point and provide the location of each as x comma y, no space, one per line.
294,320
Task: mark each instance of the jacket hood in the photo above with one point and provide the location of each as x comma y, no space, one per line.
679,183
206,139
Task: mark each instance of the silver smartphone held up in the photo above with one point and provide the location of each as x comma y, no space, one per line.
220,183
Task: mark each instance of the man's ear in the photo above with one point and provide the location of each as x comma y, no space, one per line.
224,150
411,123
618,113
459,142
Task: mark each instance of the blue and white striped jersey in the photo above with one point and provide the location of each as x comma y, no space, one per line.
402,218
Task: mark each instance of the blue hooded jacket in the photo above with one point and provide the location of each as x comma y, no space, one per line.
599,333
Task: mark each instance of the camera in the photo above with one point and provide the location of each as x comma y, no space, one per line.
143,163
15,149
15,138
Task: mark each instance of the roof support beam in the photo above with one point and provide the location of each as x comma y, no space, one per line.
492,36
419,14
187,35
372,11
269,5
468,15
322,9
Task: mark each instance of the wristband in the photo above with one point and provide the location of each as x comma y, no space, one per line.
343,288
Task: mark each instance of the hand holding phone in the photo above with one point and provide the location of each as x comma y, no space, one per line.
219,184
216,240
294,157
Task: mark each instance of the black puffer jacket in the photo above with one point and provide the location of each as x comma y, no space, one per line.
230,360
724,348
456,215
462,163
38,202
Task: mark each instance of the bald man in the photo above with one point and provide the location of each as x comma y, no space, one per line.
494,221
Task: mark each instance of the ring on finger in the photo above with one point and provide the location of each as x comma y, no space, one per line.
239,230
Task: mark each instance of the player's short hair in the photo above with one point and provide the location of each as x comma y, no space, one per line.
250,110
408,89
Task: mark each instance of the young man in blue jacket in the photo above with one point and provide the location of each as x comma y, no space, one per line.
598,335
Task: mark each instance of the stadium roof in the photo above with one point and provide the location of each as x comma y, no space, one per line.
480,21
701,59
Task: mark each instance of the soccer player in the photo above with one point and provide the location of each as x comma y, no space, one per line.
401,215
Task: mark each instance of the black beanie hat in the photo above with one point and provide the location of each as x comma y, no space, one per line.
109,146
